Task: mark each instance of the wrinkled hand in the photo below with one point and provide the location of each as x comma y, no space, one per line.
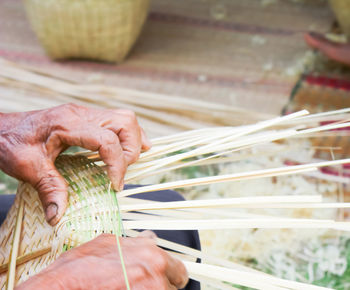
31,141
339,52
96,265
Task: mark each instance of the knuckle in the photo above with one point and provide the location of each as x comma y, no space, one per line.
141,271
128,113
108,138
160,260
50,184
133,156
71,106
45,185
21,161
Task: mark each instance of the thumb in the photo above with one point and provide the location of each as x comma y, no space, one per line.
148,234
52,190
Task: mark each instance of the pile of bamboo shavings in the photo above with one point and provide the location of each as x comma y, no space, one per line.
89,199
157,116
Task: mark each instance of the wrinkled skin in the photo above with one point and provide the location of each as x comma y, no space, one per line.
339,52
29,145
96,265
31,141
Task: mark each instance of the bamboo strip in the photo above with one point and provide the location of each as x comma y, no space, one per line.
233,276
235,177
190,108
11,274
225,202
25,258
239,277
235,146
213,283
224,263
210,224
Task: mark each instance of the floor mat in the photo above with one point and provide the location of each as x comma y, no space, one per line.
246,53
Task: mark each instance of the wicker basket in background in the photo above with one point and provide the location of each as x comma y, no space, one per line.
89,29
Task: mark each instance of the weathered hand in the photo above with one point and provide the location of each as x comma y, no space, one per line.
31,141
336,51
96,265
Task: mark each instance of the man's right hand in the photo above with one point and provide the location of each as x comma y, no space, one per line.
97,265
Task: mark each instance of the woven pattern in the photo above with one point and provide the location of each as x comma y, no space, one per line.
88,195
320,94
90,29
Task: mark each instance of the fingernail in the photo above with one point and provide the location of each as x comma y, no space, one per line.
51,212
121,185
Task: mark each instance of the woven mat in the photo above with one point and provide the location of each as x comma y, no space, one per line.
324,90
239,52
320,93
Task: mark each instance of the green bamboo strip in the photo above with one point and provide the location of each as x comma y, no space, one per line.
118,233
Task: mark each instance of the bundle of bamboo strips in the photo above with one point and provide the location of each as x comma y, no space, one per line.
159,117
93,206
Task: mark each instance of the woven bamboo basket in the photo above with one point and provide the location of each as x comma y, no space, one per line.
89,29
341,9
40,243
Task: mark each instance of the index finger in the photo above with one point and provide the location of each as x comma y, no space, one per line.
176,272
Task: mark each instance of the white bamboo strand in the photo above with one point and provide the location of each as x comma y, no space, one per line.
240,277
183,136
328,177
176,147
232,177
176,160
210,224
235,277
222,262
223,144
325,205
213,283
126,95
324,114
222,202
247,130
214,179
217,159
208,149
324,128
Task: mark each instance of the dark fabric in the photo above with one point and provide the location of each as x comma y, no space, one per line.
186,238
6,202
